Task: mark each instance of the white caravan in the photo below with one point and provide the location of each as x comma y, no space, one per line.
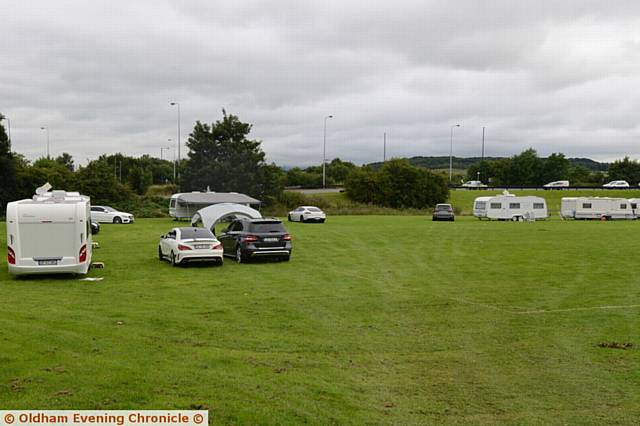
635,206
49,234
596,208
510,207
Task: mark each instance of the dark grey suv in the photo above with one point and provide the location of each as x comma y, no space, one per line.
245,239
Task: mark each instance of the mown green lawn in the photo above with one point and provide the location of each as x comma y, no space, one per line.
376,320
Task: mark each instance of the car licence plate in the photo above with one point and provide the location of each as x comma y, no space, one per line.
202,246
271,240
47,262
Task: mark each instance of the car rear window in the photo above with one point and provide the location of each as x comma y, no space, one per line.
314,209
443,207
193,233
266,227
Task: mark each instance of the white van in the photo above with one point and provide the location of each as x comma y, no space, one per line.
596,208
510,207
49,234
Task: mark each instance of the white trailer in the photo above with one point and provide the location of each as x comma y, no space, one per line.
510,207
50,233
635,206
601,208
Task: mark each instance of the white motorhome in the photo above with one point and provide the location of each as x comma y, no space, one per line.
50,233
596,208
510,207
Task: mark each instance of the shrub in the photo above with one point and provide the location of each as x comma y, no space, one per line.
397,184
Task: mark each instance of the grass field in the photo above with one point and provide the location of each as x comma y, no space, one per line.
376,320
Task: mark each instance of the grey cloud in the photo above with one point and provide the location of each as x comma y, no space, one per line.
558,76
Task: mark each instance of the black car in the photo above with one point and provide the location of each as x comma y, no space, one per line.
95,228
443,212
245,239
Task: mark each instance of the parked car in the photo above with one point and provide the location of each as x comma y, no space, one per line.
95,228
443,212
474,184
189,244
616,184
247,238
307,214
106,214
557,184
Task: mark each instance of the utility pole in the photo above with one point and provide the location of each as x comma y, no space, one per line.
482,143
384,148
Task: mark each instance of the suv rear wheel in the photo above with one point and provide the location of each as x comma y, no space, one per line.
239,257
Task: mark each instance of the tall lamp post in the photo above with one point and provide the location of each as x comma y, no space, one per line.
178,105
174,161
384,147
324,151
451,153
47,129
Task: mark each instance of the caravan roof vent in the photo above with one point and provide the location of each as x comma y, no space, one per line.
43,189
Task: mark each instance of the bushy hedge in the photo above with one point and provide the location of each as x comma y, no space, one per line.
397,184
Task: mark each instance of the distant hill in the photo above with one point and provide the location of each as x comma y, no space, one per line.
465,163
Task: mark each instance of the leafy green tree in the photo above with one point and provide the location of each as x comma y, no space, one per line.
526,168
554,167
44,170
66,160
625,169
140,179
8,179
304,178
98,181
397,184
222,158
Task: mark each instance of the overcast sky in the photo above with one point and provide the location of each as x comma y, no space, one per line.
554,75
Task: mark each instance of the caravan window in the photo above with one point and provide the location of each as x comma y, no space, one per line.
496,205
514,205
172,203
623,206
481,205
586,205
538,205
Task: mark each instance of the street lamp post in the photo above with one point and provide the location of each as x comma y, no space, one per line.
451,153
324,151
174,161
482,144
178,105
47,129
384,147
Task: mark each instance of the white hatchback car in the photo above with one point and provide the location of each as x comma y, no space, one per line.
182,245
474,184
557,184
616,184
106,214
307,214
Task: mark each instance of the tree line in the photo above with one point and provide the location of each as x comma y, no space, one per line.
528,169
223,158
